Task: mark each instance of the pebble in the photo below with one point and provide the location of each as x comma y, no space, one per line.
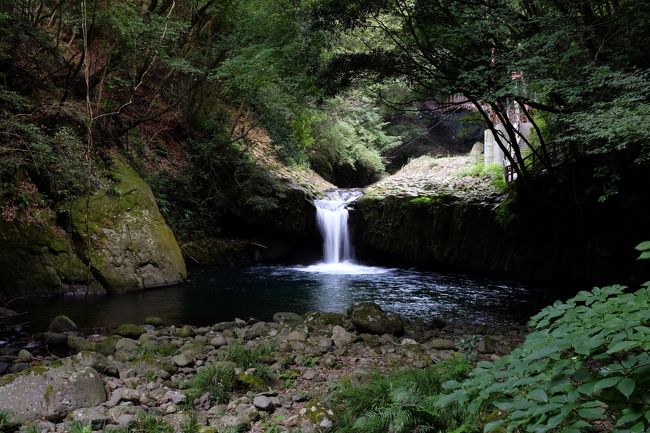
263,402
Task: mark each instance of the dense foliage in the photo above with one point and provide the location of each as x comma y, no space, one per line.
573,69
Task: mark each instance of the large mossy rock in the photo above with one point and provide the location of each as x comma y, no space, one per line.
123,237
369,317
50,393
39,257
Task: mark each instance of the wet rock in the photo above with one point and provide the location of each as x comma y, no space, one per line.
3,367
130,330
341,337
154,321
369,317
320,319
62,324
51,393
287,317
184,332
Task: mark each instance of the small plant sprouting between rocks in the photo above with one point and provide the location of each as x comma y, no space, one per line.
400,402
222,378
78,427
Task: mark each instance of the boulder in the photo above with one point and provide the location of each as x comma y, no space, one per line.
369,317
127,243
184,332
62,324
341,337
51,393
130,330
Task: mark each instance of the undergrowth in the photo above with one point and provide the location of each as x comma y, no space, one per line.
222,378
403,401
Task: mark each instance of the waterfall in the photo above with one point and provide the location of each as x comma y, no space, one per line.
332,218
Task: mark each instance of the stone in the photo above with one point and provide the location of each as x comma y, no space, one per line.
96,416
183,359
408,342
486,345
62,324
96,361
288,317
24,355
263,403
4,366
369,317
219,341
175,397
154,321
54,339
322,319
130,330
440,344
256,330
80,344
184,332
51,393
127,345
341,337
297,336
239,322
125,420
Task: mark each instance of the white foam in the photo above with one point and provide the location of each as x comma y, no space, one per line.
342,268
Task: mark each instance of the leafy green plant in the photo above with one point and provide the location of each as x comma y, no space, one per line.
246,358
289,377
403,401
586,363
78,427
469,346
494,171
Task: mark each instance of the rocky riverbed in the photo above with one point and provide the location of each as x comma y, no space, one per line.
232,376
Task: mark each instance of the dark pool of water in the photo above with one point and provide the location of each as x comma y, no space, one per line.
211,296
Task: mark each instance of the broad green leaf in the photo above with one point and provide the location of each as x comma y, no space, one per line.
492,426
538,395
643,246
623,346
590,413
626,386
608,382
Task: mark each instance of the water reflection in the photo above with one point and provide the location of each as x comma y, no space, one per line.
211,296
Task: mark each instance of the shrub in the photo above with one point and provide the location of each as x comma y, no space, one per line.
586,364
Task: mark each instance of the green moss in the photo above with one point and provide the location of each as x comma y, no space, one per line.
47,396
251,381
130,330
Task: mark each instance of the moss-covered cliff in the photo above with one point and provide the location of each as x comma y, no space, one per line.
111,240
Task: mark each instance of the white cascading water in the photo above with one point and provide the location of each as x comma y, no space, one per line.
332,217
